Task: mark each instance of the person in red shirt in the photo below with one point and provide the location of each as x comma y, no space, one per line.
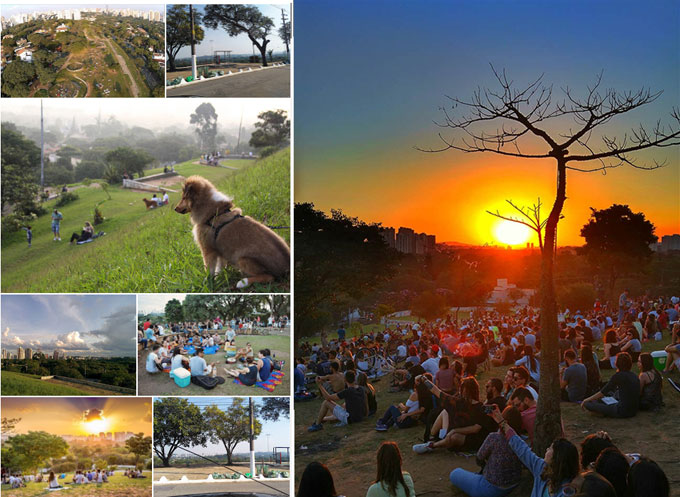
523,400
147,324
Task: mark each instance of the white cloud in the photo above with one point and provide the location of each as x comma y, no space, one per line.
6,332
17,341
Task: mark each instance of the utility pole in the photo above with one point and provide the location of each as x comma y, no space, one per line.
42,148
283,20
252,437
194,71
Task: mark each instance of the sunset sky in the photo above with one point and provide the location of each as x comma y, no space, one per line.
69,416
371,77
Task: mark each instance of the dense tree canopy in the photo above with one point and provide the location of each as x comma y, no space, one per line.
204,120
178,31
272,130
176,423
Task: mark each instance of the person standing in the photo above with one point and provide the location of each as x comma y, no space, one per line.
623,304
29,235
56,220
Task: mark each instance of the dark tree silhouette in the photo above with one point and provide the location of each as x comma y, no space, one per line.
617,242
519,117
239,19
204,120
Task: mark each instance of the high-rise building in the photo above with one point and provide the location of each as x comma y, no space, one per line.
28,354
55,355
20,352
406,240
388,236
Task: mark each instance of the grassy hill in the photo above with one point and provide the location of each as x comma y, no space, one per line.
143,251
349,452
23,384
117,485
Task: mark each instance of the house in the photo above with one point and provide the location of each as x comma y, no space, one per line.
62,28
25,54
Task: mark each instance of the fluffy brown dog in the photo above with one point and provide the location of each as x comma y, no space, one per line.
225,236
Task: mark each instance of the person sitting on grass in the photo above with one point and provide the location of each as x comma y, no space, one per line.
446,378
229,337
589,360
390,481
530,363
335,381
554,471
647,479
264,365
317,481
243,353
354,410
624,386
501,469
418,406
153,360
493,388
200,369
591,448
590,484
573,378
611,348
651,398
85,234
614,466
521,379
465,415
246,375
52,481
523,400
178,360
673,350
362,381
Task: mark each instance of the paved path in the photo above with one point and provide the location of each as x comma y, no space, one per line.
271,83
177,489
133,85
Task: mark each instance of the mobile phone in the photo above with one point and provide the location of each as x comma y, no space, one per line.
489,409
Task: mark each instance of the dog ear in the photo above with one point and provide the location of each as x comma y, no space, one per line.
188,190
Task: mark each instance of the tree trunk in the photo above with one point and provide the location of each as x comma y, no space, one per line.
263,50
548,416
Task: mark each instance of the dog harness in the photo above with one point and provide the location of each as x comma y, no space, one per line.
216,229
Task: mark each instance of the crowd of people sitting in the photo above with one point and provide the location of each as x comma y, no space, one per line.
79,478
185,345
436,366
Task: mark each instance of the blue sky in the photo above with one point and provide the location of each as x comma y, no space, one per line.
217,39
96,325
279,431
370,78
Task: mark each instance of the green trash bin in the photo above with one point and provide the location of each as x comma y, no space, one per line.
659,357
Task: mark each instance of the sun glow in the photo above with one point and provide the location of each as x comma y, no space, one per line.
96,425
509,233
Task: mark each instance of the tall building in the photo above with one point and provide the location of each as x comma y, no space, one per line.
28,353
20,353
388,236
55,355
406,240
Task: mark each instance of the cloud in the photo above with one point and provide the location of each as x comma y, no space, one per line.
35,343
117,335
6,332
16,341
71,341
92,415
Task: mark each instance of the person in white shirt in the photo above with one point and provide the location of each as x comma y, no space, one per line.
153,362
166,198
430,365
177,358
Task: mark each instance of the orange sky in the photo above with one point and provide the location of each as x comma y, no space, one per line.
447,194
64,416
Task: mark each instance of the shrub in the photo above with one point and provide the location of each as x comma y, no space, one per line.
98,217
12,223
64,467
66,198
577,296
267,151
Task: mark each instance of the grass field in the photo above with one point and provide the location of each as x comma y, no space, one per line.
23,384
144,251
118,485
349,452
162,384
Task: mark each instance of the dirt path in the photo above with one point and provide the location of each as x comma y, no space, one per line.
133,85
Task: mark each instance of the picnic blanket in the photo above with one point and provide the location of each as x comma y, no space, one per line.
275,378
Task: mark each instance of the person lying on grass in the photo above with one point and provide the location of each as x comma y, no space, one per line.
501,468
353,411
554,471
417,406
463,422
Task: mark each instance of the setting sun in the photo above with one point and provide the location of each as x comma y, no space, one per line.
96,426
509,233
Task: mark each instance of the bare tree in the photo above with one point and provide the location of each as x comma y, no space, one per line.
521,116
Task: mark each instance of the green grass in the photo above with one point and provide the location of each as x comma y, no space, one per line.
21,384
143,251
162,384
118,485
350,454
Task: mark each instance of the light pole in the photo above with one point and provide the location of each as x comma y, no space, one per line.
193,43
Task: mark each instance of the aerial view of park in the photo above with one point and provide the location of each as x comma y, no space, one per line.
83,52
487,249
103,202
